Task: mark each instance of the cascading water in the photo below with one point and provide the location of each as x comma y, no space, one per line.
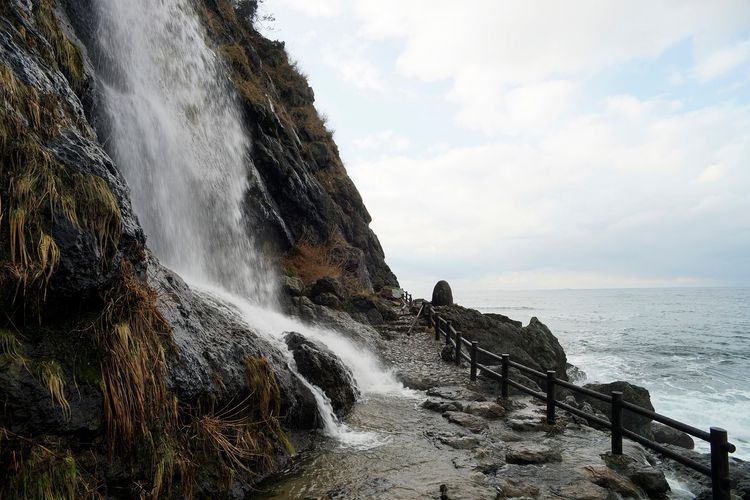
177,135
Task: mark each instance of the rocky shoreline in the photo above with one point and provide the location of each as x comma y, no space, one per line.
502,448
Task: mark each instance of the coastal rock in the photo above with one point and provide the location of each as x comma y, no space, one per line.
533,345
649,479
607,478
513,488
456,393
584,490
486,409
470,422
442,294
526,453
460,442
667,435
631,393
324,369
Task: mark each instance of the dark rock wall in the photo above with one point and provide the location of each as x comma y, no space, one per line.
304,192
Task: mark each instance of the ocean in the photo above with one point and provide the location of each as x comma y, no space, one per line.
690,347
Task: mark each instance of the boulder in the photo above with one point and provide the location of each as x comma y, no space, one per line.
667,435
532,345
324,369
631,393
442,294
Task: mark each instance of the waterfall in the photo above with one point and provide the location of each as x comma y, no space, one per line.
177,135
179,139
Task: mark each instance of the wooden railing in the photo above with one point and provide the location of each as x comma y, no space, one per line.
467,350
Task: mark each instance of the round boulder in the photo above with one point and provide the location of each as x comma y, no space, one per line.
442,294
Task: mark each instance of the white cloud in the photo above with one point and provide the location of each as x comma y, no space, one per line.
383,141
509,60
615,188
348,59
314,8
723,61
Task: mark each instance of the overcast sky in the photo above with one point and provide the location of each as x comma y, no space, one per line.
530,144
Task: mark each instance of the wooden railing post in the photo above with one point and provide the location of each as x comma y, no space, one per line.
447,333
504,374
615,419
550,397
720,485
459,343
474,351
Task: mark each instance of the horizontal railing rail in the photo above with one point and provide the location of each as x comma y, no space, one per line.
465,349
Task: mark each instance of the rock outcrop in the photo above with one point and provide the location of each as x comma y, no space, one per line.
630,393
533,345
105,355
324,369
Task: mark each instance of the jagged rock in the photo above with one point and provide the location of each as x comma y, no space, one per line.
324,369
456,393
630,393
442,294
667,435
441,406
470,422
526,453
486,409
533,345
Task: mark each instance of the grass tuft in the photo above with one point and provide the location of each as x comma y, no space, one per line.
312,261
51,376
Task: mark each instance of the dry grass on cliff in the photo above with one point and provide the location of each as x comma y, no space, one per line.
310,262
131,336
34,188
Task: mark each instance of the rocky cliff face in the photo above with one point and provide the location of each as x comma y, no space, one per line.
106,357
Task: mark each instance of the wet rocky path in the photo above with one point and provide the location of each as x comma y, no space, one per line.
454,439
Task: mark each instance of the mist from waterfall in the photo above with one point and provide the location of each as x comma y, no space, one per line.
177,135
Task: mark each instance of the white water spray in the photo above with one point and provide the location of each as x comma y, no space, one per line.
178,137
